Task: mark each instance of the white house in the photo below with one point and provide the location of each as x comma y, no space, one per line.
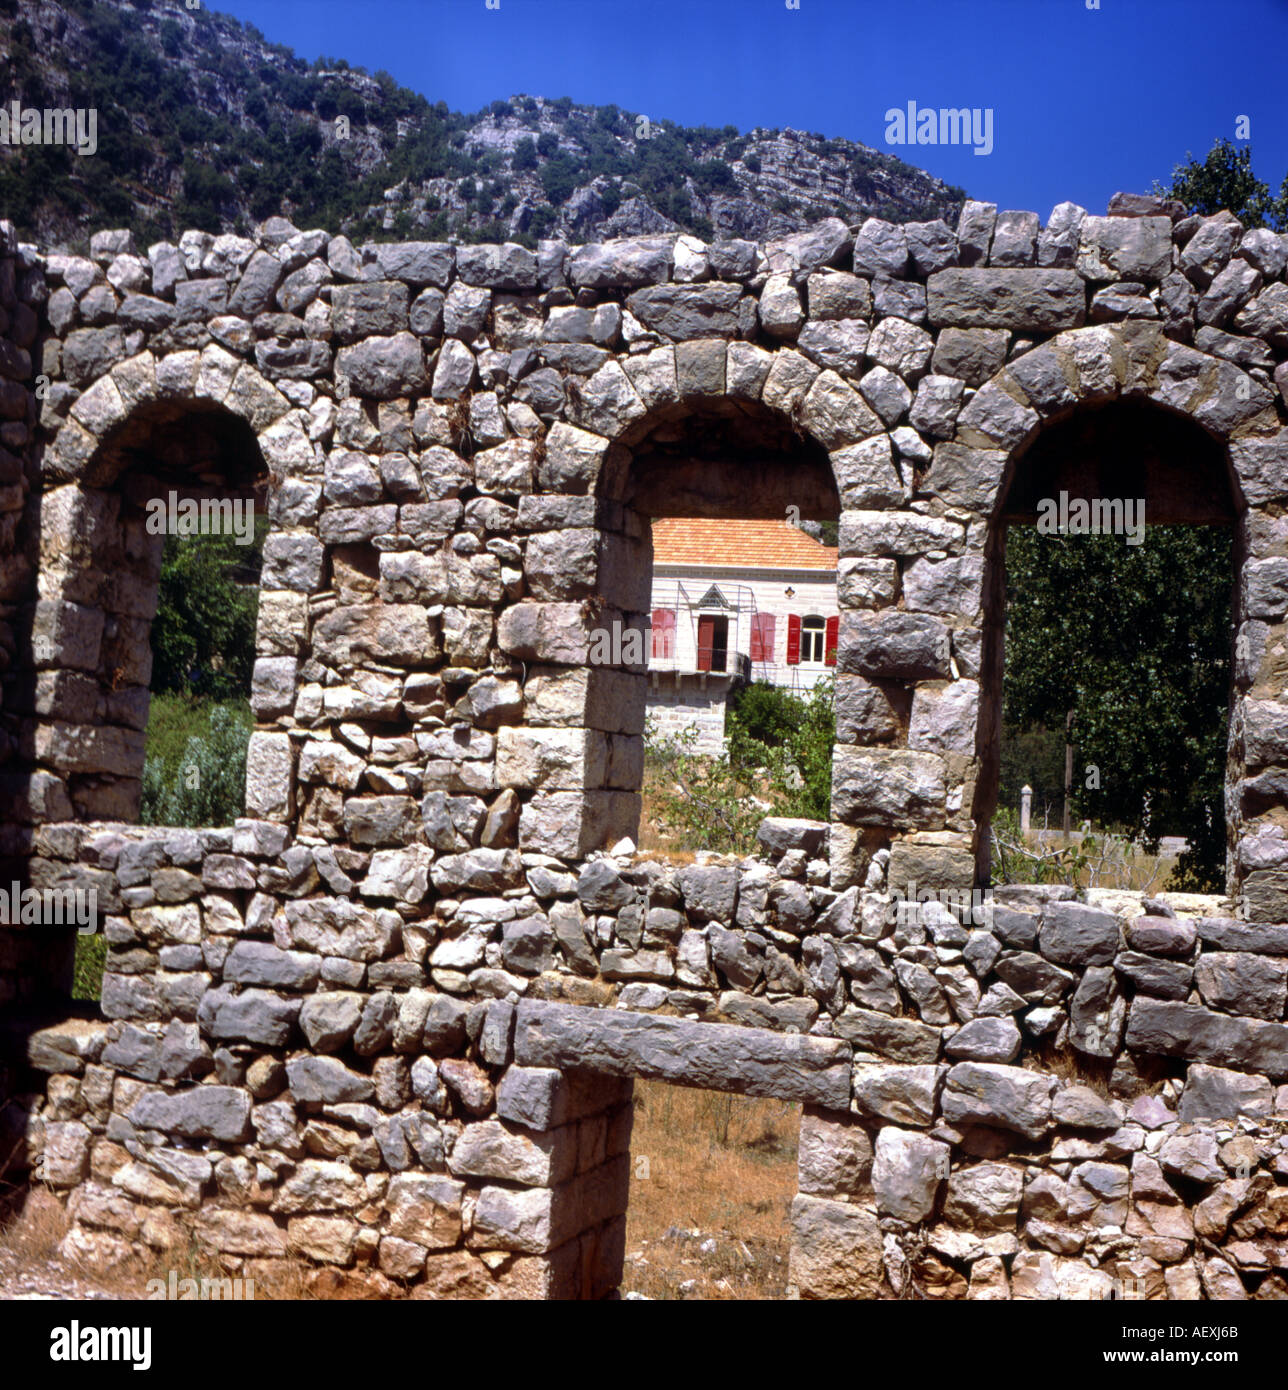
735,601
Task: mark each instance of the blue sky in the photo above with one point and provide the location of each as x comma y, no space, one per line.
1085,101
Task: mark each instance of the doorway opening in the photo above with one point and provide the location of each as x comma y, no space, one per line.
713,1176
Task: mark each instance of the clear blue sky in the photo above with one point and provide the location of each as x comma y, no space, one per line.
1085,101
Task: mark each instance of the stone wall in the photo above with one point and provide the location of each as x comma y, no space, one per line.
389,1020
681,702
421,1086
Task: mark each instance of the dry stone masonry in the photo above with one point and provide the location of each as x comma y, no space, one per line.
388,1023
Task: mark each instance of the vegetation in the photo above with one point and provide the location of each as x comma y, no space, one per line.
1134,642
203,636
194,772
779,762
203,653
1225,180
712,1181
773,731
1086,859
198,129
87,967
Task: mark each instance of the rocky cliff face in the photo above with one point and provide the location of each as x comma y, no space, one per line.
202,122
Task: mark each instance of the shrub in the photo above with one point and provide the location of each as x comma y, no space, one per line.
789,740
87,969
779,761
705,801
205,783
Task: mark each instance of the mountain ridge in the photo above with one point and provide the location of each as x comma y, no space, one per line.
202,122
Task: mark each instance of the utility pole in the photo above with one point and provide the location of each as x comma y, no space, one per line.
1068,769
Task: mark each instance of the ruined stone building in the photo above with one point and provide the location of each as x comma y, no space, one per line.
389,1021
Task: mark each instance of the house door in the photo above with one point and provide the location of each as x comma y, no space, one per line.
713,642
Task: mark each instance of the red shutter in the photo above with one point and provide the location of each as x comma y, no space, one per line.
706,640
762,637
663,633
793,639
829,642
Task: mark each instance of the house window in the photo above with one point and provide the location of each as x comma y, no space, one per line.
813,639
663,634
762,637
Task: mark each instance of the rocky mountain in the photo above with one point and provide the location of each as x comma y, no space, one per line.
200,121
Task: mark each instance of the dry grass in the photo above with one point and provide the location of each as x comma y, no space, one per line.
30,1260
655,837
711,1218
34,1231
1113,863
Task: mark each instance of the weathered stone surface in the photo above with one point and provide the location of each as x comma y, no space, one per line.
1028,300
835,1156
872,786
717,1056
1221,1094
984,1197
1002,1096
904,1095
1190,1030
985,1040
1077,935
201,1112
836,1249
1241,983
683,312
907,1170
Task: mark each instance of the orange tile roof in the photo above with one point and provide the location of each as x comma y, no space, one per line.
738,544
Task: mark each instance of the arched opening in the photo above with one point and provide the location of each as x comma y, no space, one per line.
173,477
1109,602
727,529
142,639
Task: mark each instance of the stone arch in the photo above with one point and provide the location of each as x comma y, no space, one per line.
1224,417
630,399
585,720
91,619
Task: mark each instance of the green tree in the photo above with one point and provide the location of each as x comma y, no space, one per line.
203,636
789,740
1225,180
1134,642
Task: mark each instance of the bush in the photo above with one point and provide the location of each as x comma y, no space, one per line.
705,801
87,970
789,739
194,770
779,762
